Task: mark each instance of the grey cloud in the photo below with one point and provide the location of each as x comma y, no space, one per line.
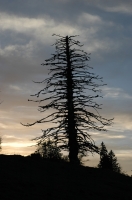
59,9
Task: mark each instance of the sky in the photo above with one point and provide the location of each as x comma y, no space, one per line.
105,29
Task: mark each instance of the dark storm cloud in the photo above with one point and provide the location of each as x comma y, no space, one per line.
64,9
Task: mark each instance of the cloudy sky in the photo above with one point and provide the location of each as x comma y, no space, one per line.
105,29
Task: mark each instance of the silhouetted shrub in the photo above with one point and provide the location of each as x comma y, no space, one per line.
49,150
35,156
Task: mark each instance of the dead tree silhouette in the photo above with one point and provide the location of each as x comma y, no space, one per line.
65,91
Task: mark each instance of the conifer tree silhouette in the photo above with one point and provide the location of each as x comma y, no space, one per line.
104,159
114,165
71,91
108,160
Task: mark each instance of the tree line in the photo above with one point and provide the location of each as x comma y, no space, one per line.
49,151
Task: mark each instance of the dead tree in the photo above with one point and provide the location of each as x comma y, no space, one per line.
71,91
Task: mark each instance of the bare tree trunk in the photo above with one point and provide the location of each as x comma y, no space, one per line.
72,133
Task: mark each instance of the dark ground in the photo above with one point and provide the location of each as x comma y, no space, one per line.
24,178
